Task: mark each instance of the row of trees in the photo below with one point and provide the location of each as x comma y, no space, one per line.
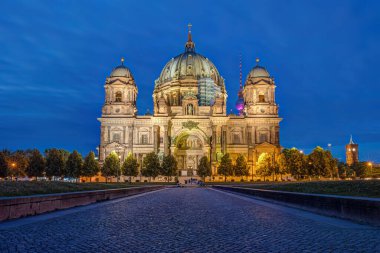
227,168
319,163
58,163
55,163
151,166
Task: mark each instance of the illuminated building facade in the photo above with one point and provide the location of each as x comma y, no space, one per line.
190,117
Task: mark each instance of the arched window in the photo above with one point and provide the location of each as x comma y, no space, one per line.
116,137
236,138
263,137
118,96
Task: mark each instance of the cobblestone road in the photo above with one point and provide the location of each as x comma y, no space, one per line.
185,220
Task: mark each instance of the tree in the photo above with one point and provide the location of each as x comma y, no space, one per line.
320,163
55,163
204,168
295,162
225,166
111,166
90,166
3,165
74,165
282,164
240,168
17,162
130,167
361,169
265,165
344,170
36,164
169,167
151,166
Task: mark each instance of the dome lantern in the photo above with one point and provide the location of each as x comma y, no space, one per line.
189,46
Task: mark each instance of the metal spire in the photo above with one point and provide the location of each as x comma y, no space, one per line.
189,44
122,61
189,32
241,73
351,141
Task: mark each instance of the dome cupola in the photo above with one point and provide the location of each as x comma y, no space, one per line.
188,73
189,65
258,71
121,71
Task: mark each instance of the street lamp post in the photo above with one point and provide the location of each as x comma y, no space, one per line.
13,165
370,166
210,157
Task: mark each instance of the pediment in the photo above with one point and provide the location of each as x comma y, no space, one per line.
114,145
119,81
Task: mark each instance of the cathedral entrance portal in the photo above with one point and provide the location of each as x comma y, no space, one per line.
190,171
189,150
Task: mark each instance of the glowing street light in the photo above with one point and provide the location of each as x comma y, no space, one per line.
370,166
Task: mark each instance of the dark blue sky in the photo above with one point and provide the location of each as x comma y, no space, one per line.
324,55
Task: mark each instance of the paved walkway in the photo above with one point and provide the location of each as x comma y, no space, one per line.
186,220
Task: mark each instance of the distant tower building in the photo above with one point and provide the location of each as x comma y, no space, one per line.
352,152
240,101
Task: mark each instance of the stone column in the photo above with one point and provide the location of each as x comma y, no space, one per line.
102,135
155,138
108,134
272,135
165,137
213,150
249,135
130,138
101,154
124,134
254,135
224,139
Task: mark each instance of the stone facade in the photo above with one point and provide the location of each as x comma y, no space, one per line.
190,117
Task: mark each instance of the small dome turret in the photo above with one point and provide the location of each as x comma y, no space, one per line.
121,71
258,71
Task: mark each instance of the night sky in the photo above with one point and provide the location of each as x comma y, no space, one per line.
324,55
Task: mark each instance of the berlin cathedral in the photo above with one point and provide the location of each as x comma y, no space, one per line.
190,118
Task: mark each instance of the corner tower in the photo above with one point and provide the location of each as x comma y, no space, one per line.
260,104
259,93
352,152
121,93
118,113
